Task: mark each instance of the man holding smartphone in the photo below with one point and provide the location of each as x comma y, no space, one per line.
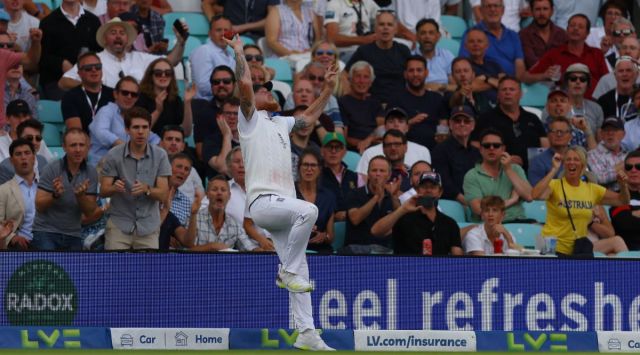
418,219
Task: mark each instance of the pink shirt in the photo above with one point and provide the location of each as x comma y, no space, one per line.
8,60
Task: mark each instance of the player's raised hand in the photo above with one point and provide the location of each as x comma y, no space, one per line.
235,43
331,76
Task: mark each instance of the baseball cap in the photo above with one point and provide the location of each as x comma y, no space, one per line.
4,15
577,68
396,112
333,137
18,107
463,110
431,177
268,85
615,122
557,91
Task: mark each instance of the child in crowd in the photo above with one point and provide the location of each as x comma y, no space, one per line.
490,237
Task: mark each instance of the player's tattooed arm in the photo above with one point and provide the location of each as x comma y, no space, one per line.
300,123
243,76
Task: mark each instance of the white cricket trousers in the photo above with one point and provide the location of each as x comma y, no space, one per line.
289,221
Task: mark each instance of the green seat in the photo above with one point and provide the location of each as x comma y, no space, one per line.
51,135
453,45
282,68
452,209
50,111
536,210
524,233
351,159
198,24
455,25
534,95
339,235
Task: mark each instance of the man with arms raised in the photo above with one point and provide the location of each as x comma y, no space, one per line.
266,150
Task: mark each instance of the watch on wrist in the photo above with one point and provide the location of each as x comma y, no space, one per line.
148,192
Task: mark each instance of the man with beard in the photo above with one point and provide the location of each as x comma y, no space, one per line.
438,59
425,108
223,83
542,34
266,149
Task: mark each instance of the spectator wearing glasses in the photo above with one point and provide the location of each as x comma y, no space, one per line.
30,130
336,177
609,153
559,136
67,189
455,156
622,28
327,54
17,88
618,102
80,104
603,36
314,72
520,128
212,54
542,34
18,111
630,47
223,83
558,105
217,146
496,175
254,56
135,177
308,188
394,147
108,128
350,24
172,141
576,80
118,60
159,95
626,218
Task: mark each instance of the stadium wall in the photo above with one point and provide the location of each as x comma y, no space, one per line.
367,293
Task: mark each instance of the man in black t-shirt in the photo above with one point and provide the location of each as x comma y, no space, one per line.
81,103
626,218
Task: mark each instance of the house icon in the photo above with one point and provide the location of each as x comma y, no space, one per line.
181,339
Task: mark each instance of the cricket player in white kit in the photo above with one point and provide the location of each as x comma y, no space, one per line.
271,196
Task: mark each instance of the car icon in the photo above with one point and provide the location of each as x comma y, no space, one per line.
614,344
126,340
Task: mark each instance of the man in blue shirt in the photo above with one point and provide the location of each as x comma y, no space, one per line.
504,44
559,135
438,59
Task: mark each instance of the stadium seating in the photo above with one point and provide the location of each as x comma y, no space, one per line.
452,209
536,210
524,234
534,95
247,40
339,231
191,44
284,88
634,254
536,111
198,24
186,5
598,254
452,45
50,111
51,135
455,25
282,68
52,4
58,152
351,159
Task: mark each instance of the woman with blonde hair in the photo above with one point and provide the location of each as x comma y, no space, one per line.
159,95
327,54
570,201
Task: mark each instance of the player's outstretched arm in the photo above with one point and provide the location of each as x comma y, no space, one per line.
311,114
243,75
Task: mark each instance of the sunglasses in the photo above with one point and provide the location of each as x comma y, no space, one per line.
314,78
491,145
620,33
629,167
574,78
309,165
91,67
321,52
257,57
158,73
32,137
6,44
225,81
128,93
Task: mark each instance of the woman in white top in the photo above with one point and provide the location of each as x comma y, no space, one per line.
291,28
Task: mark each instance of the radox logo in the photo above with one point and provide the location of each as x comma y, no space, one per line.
40,293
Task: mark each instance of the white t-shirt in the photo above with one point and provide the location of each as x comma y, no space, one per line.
134,64
21,29
344,14
266,151
100,8
415,152
477,240
409,12
191,184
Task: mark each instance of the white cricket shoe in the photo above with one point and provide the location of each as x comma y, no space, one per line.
310,340
292,282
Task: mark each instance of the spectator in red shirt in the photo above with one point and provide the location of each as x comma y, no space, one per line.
575,51
542,34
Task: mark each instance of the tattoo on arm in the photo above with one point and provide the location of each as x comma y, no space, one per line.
300,123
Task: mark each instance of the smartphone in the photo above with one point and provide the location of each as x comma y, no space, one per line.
177,24
425,201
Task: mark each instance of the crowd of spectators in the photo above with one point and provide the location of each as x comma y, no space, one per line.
424,124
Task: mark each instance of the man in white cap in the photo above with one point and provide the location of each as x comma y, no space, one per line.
577,78
118,60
